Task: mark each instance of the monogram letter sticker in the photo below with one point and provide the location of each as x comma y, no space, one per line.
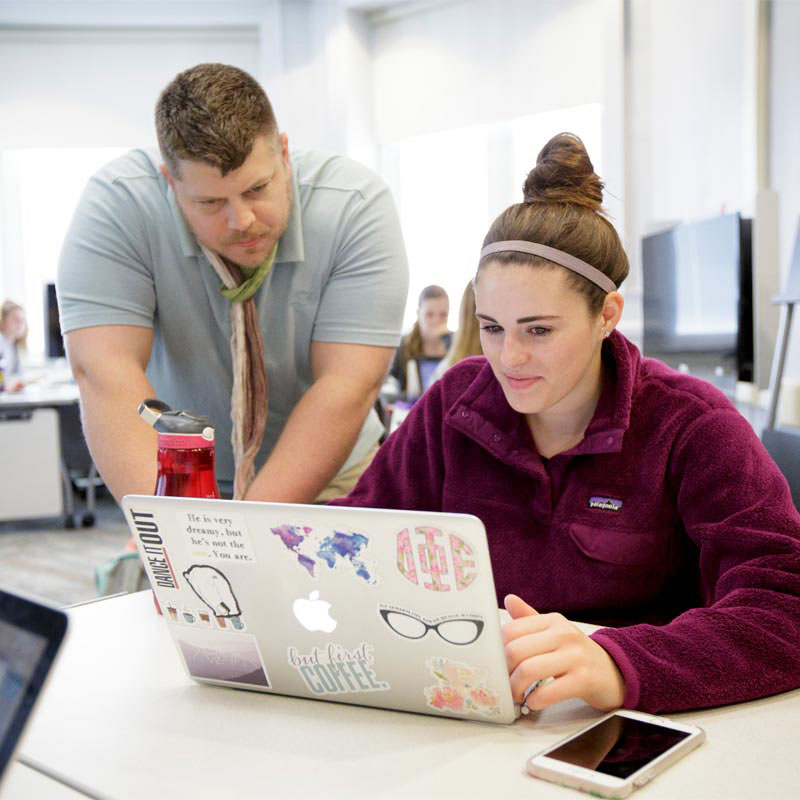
435,560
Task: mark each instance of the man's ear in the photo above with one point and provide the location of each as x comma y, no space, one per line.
170,179
284,143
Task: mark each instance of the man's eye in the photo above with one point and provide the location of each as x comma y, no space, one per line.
258,189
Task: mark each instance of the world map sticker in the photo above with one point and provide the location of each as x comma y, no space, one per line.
435,560
317,549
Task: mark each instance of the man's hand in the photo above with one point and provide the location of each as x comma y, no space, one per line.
540,646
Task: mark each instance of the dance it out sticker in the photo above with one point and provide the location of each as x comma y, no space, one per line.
317,549
334,669
460,688
435,560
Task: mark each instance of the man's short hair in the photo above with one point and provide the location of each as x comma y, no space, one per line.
212,113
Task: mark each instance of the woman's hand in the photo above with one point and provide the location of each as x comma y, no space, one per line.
540,646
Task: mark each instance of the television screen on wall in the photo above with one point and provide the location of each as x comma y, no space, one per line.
697,298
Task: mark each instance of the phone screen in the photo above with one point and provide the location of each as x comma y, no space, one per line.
618,746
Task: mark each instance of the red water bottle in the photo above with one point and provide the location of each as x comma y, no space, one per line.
185,451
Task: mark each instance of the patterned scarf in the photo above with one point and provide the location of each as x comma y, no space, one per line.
250,387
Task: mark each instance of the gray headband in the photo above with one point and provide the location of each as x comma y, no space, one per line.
551,254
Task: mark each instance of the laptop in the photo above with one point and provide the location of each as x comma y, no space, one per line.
384,608
30,637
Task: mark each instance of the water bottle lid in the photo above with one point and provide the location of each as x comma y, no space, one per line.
177,424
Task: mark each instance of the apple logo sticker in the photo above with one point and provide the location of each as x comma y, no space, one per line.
314,614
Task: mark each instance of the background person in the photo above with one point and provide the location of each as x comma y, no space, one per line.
613,489
425,346
308,249
467,339
13,336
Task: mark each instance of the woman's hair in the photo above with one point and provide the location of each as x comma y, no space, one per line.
467,339
562,208
412,344
8,307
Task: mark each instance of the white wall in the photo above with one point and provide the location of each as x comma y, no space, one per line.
785,142
480,61
691,127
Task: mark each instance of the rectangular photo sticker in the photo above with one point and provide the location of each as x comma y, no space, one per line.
214,655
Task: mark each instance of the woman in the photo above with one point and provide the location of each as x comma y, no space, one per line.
422,349
13,334
613,489
467,339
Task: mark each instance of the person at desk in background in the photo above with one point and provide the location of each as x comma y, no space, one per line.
614,490
310,254
13,335
467,339
425,346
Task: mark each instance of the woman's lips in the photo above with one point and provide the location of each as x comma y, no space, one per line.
520,382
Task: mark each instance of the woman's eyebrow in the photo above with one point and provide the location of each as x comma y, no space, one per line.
521,320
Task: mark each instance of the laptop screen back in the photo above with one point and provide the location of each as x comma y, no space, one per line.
30,636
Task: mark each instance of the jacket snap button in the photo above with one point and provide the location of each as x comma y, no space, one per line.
610,440
496,437
465,414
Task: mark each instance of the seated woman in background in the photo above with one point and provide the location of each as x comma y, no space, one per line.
467,339
422,349
613,489
13,334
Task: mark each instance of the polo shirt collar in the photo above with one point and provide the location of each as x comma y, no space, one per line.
290,245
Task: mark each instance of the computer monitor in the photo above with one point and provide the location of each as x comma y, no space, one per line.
53,341
698,299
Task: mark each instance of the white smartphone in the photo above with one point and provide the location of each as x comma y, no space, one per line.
617,754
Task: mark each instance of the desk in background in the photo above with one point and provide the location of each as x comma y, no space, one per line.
44,454
121,716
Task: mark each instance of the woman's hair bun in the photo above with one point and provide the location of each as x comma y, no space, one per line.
564,174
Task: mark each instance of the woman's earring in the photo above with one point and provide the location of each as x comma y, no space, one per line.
606,334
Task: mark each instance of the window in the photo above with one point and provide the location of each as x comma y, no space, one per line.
450,185
40,188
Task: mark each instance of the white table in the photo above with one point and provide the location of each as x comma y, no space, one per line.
22,783
121,716
35,481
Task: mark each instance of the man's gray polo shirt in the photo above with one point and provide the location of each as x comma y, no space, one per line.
340,275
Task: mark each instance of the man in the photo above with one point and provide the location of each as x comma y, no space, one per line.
310,250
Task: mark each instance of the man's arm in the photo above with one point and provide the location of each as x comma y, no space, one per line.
109,363
324,426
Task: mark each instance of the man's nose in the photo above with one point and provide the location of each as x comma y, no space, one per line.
240,216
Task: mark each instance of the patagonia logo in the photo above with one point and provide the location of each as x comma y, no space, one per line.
605,503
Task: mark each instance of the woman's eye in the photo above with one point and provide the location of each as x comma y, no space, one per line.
491,328
539,331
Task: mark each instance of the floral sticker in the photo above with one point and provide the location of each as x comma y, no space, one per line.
460,688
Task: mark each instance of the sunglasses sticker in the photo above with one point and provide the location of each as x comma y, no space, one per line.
333,669
457,629
460,688
444,561
320,549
